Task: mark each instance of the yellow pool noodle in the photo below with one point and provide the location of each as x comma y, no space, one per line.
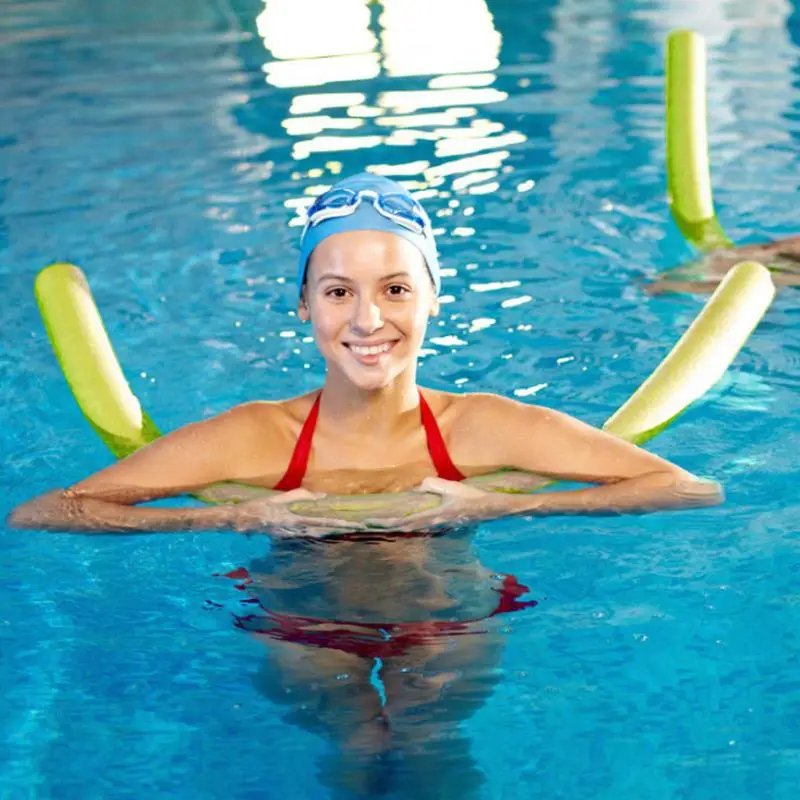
696,362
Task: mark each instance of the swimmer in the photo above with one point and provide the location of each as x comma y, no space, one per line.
702,276
368,281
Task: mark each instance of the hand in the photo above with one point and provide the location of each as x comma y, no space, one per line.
459,502
274,515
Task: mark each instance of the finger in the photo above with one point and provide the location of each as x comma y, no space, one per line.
382,523
301,531
325,522
449,489
294,496
433,485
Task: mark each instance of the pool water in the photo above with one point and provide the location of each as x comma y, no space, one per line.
168,149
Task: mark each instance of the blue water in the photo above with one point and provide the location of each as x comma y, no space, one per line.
165,147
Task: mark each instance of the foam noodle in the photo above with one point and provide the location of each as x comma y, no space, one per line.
700,357
87,359
94,375
697,362
688,174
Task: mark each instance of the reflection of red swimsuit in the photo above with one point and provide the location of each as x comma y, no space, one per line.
369,639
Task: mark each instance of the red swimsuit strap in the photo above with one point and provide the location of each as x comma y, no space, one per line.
445,468
295,472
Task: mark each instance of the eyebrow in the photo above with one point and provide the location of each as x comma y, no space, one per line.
332,276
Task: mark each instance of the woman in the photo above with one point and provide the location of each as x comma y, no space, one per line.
382,644
368,280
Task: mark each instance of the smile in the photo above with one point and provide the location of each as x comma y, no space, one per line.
370,350
369,354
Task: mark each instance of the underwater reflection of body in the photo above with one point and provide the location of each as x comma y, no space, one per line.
384,647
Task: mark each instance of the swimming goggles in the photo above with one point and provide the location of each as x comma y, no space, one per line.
400,208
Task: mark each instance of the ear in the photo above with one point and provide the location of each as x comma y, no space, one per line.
303,311
434,312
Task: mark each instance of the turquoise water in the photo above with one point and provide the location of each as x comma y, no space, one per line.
166,149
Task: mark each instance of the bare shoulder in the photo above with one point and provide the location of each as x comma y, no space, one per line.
270,419
461,413
249,439
245,433
478,426
487,410
240,419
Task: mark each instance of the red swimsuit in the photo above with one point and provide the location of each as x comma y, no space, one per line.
295,472
369,640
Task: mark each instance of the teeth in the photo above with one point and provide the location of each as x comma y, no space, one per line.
370,351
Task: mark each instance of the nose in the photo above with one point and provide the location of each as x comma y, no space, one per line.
367,316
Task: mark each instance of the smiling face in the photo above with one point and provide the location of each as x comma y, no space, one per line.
368,295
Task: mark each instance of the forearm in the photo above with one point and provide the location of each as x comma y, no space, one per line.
785,278
68,511
640,495
668,285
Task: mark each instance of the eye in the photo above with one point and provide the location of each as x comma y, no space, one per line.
398,290
338,293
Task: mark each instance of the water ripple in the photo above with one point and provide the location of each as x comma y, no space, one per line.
170,149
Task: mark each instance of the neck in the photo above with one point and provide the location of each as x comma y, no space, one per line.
374,411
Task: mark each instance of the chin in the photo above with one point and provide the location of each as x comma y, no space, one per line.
372,379
380,380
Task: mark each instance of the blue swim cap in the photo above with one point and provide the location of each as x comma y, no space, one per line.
367,218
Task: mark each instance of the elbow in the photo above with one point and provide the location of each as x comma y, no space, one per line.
40,513
694,492
677,489
23,516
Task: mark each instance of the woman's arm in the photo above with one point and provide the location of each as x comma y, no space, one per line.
560,447
504,433
653,491
223,448
68,510
72,512
668,285
463,504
